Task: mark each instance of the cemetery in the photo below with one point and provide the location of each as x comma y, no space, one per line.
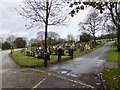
34,56
89,53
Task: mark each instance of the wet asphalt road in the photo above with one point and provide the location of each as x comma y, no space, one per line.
86,68
7,66
13,77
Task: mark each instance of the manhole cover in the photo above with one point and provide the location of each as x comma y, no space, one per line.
63,71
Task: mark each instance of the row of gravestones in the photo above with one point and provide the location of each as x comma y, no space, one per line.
81,47
60,50
41,54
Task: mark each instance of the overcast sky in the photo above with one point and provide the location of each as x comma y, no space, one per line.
13,24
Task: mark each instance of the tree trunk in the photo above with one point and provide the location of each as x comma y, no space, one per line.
118,39
109,37
46,27
94,39
112,36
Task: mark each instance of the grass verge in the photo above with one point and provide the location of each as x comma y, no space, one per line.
112,75
112,78
54,58
78,53
113,54
26,61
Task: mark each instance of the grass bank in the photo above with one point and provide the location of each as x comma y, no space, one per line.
112,75
26,61
113,55
112,78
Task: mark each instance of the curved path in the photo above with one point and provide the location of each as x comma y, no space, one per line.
86,68
14,77
7,66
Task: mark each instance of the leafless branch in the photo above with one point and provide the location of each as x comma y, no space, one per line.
34,11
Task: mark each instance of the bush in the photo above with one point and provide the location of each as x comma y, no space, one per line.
85,37
5,45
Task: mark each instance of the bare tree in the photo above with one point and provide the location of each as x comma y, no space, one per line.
113,6
53,35
43,13
33,40
26,39
40,35
111,30
11,39
53,38
92,24
70,37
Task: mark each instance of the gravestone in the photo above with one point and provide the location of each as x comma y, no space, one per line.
87,47
82,48
71,53
59,54
33,54
48,56
42,55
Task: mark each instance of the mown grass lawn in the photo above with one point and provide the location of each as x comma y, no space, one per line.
112,78
26,61
78,53
112,75
54,58
113,54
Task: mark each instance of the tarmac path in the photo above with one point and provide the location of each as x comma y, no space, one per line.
13,77
87,68
84,71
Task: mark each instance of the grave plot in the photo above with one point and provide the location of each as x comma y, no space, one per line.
34,56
